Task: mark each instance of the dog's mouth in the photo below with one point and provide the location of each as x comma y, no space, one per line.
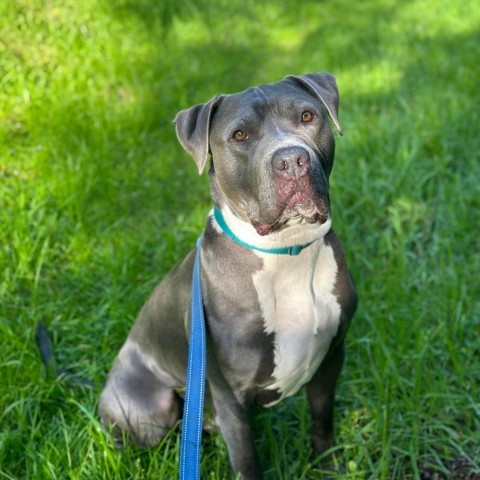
301,208
301,205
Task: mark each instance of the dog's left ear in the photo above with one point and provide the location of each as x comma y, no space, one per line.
324,87
193,128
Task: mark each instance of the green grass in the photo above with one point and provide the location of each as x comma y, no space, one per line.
98,201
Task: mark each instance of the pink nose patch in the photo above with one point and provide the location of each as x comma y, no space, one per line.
301,203
299,193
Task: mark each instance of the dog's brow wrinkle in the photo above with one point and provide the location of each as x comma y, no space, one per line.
259,94
291,105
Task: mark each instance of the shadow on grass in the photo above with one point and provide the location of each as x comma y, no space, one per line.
132,202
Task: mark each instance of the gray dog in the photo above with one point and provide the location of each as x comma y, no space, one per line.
277,293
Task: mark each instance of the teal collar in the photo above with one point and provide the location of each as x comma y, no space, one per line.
293,250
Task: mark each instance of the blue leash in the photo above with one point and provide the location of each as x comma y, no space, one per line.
195,385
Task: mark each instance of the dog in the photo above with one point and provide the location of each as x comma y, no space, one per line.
277,292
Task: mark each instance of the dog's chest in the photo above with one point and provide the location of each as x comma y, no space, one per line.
299,308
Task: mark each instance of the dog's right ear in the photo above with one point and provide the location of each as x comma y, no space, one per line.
193,128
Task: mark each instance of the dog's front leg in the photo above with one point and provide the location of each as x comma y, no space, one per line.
321,397
234,422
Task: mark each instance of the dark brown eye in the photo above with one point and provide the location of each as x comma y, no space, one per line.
307,116
240,136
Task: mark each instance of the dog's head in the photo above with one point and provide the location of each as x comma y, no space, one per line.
272,149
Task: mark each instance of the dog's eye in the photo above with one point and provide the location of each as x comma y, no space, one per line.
307,116
240,136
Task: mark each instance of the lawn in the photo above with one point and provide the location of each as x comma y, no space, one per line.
98,201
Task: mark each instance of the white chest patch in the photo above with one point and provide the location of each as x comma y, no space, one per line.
298,306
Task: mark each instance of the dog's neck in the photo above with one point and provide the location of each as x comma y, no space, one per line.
298,235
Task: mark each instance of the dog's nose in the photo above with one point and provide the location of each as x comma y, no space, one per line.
291,162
